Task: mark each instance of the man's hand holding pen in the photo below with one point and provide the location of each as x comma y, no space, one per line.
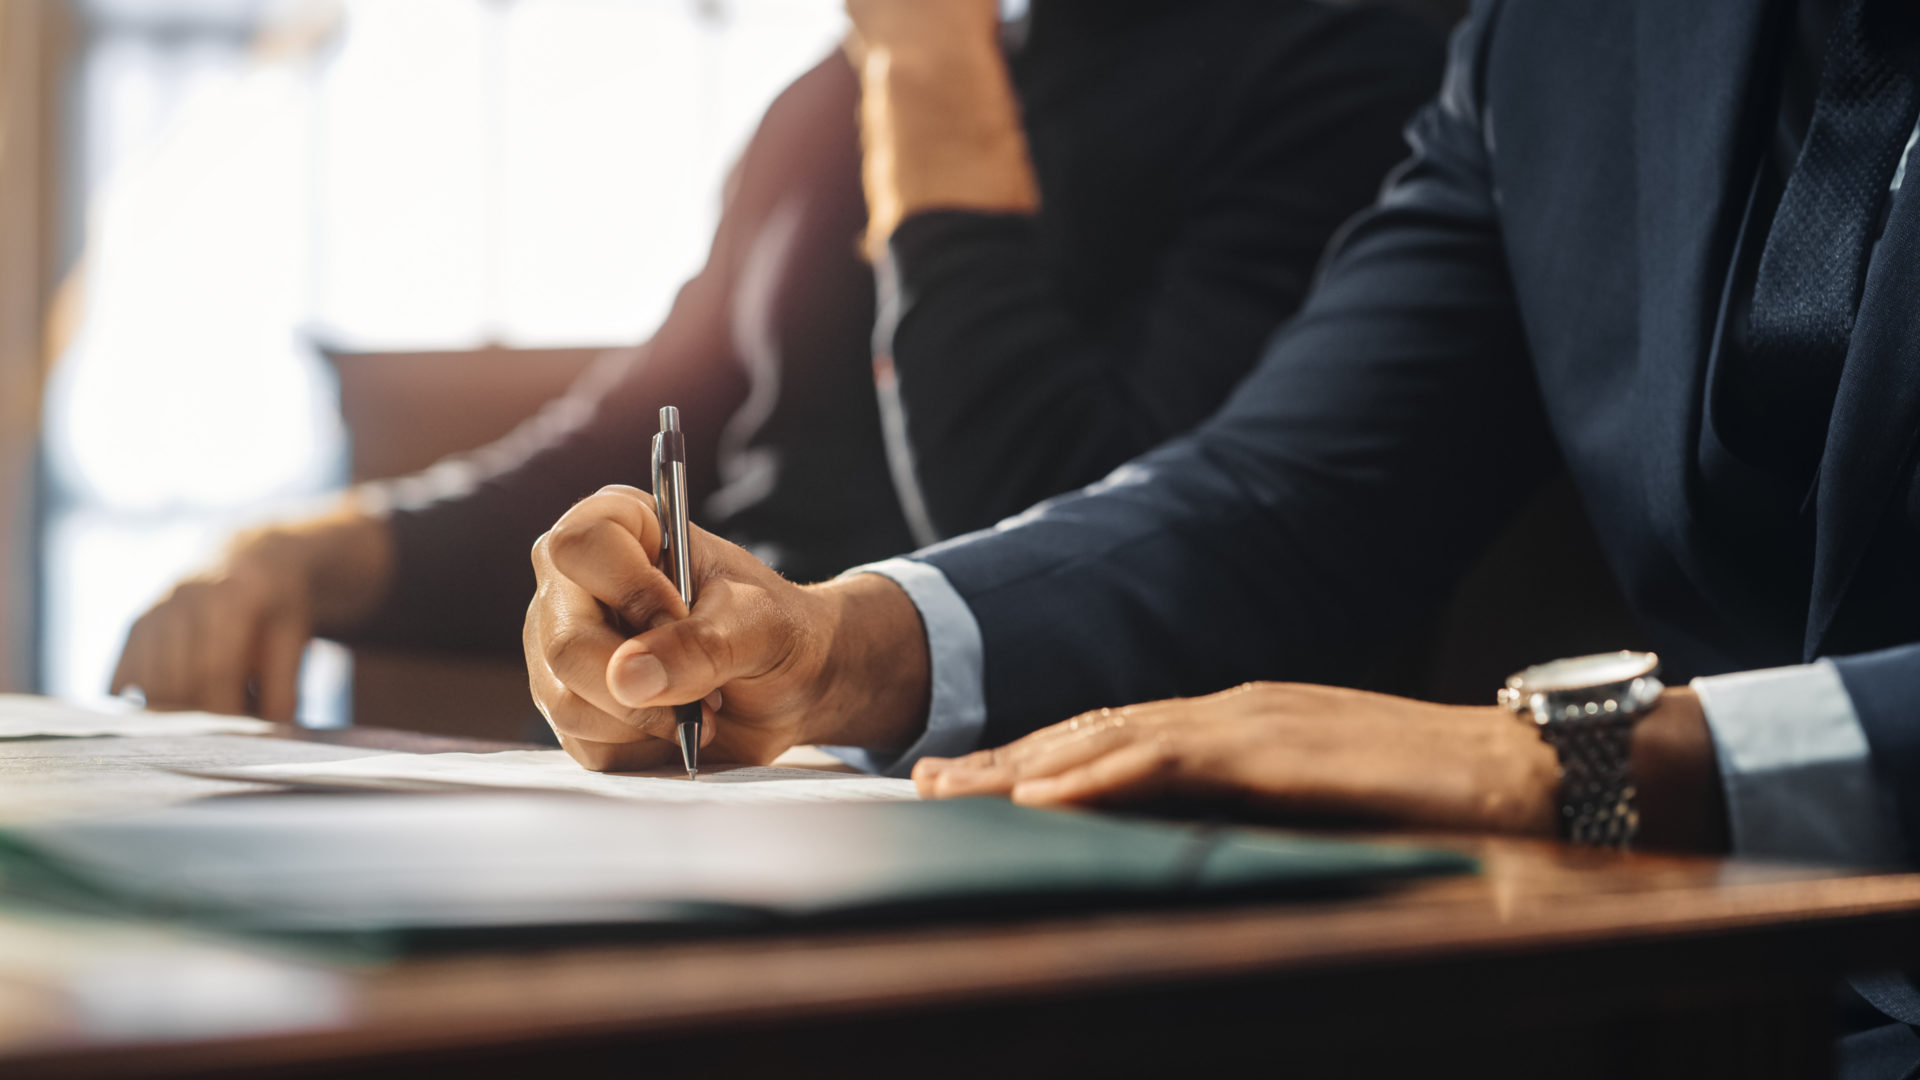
611,648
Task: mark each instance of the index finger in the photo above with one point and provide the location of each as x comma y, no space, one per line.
1101,724
608,544
996,772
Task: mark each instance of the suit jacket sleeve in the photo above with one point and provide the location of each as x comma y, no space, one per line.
1885,689
1382,439
1009,398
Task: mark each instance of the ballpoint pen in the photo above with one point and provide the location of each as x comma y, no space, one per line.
670,497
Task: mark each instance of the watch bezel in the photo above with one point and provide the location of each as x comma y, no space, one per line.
1619,685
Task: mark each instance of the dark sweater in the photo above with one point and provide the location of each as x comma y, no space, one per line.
1193,160
1194,157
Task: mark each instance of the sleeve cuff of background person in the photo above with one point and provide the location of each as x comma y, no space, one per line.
957,709
1796,768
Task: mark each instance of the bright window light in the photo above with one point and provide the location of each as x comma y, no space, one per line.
432,174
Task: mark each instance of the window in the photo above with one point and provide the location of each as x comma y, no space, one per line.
425,173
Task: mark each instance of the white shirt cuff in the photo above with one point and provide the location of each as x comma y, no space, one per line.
957,709
1794,762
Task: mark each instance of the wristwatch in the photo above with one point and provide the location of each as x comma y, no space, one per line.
1585,708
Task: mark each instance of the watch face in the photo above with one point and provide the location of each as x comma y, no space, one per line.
1581,672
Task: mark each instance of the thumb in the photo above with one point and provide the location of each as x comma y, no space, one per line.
725,638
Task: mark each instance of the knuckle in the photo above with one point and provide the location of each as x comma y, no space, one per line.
191,592
657,722
622,491
561,647
597,757
568,538
1163,755
636,597
1266,695
578,544
709,642
556,705
562,708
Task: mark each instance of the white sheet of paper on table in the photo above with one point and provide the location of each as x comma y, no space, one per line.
553,770
26,717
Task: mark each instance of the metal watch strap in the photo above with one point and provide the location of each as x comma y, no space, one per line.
1586,709
1599,806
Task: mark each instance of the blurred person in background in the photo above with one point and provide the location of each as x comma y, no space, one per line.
1086,220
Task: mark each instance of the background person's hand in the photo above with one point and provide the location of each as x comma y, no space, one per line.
611,648
228,639
939,118
921,24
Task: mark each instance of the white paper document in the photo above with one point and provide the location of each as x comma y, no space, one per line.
553,770
26,717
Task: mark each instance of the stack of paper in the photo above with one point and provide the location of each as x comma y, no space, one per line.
553,770
23,717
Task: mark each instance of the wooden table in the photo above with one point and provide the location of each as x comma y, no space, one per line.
1553,962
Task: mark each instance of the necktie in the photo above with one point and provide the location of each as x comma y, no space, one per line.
1811,271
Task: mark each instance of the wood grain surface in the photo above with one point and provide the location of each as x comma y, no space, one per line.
1551,962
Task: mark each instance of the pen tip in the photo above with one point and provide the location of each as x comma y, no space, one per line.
690,748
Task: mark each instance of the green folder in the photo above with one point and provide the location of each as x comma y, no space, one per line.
476,866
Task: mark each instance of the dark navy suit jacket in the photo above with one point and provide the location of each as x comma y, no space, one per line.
1539,285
